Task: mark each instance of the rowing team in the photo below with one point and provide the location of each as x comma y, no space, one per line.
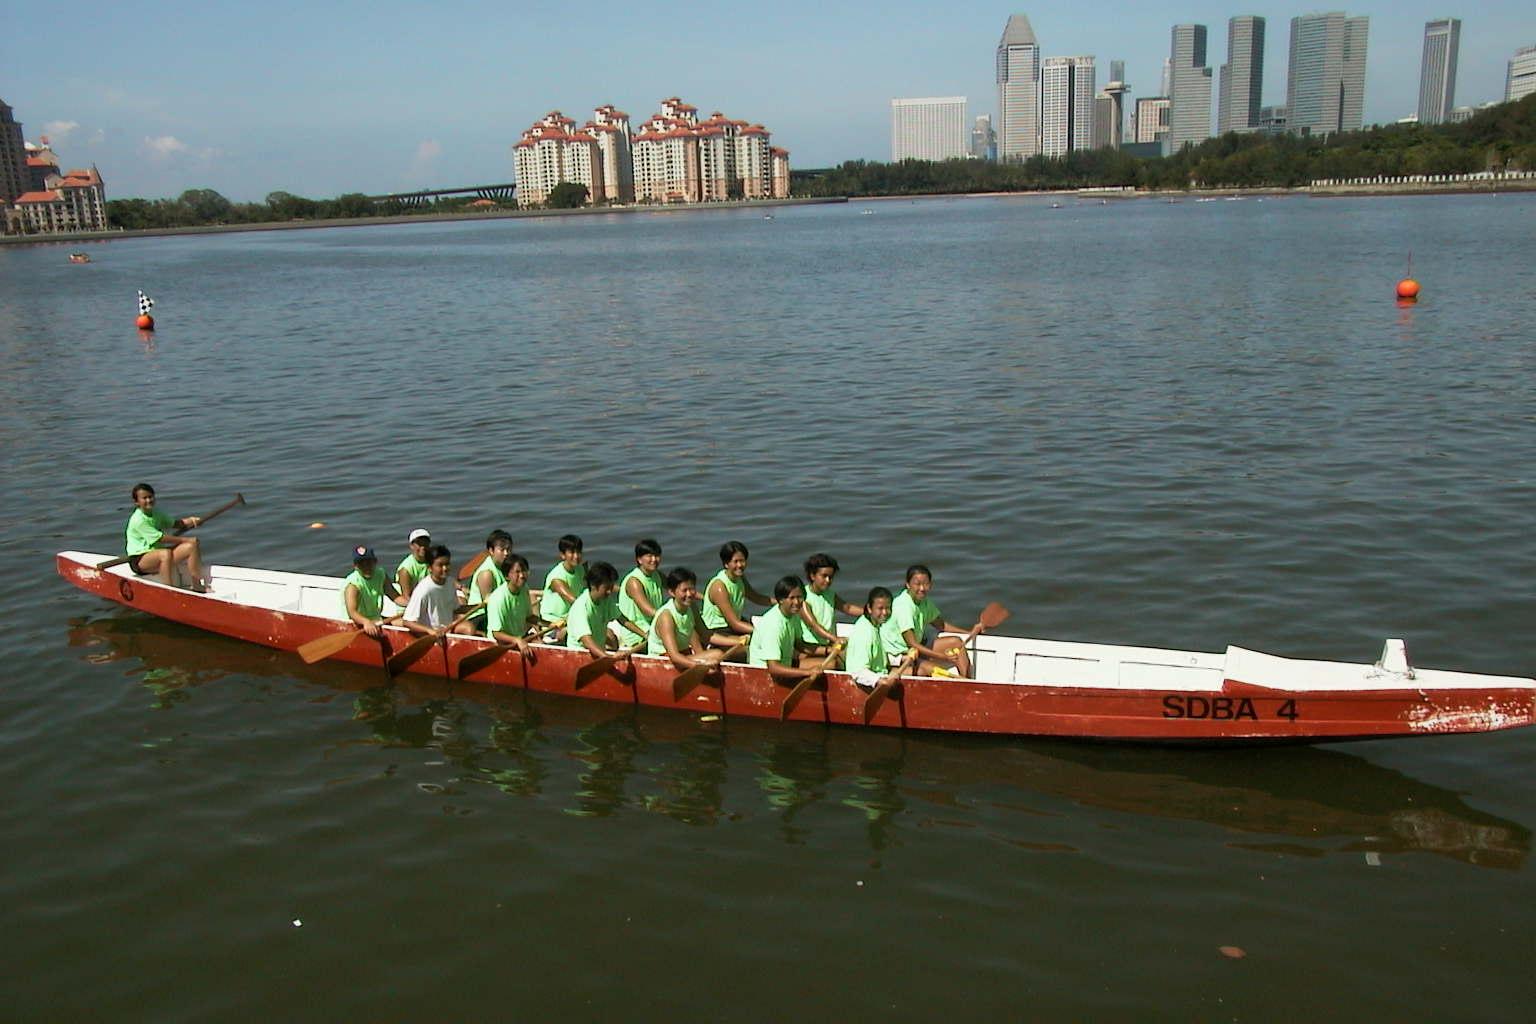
660,614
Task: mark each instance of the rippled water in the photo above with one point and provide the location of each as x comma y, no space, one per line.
1180,425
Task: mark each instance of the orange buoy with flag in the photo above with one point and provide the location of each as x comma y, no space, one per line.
145,321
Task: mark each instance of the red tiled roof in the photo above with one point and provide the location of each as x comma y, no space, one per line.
778,151
39,197
38,161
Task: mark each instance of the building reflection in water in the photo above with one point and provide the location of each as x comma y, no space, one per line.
607,759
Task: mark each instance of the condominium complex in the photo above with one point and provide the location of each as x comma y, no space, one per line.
1242,76
13,157
35,196
1325,92
1067,87
932,128
1151,119
1189,83
1437,71
1521,80
673,158
1018,91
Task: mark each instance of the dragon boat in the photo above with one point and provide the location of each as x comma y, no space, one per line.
1023,687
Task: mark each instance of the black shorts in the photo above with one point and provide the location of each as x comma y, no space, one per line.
133,563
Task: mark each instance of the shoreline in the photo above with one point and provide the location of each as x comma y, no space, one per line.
1486,187
408,218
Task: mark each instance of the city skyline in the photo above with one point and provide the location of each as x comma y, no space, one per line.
163,103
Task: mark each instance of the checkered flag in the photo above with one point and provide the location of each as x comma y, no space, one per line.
145,303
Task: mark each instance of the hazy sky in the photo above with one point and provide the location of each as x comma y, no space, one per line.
322,98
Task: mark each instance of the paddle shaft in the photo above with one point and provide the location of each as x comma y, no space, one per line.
472,663
792,699
407,655
877,695
323,647
239,499
593,669
689,678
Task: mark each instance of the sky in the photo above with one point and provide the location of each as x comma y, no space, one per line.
323,98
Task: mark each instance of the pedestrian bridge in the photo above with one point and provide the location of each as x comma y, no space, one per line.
503,193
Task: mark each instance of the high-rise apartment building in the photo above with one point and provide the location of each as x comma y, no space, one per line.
1437,72
610,127
13,157
1151,120
1067,88
931,128
1189,81
1325,91
1018,91
552,151
1521,80
1242,76
983,139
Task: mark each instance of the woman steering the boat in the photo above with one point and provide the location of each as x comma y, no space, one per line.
675,630
914,617
153,550
726,596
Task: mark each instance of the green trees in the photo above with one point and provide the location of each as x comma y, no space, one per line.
567,195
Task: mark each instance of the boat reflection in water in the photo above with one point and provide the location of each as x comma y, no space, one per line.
600,759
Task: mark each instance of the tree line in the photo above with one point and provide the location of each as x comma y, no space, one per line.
201,206
1499,138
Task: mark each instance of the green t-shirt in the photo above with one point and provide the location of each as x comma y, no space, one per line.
736,591
907,614
683,626
588,617
773,639
370,593
418,569
506,612
654,590
497,579
866,651
552,606
824,607
145,531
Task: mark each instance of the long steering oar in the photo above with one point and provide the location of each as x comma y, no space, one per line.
792,699
406,656
239,499
472,663
877,695
689,678
592,669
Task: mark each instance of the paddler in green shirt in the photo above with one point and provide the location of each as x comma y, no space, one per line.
866,660
777,636
364,590
818,616
725,598
586,624
675,630
913,615
413,568
490,574
152,549
641,591
564,582
507,610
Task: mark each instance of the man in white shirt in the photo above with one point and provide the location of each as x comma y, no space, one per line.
434,600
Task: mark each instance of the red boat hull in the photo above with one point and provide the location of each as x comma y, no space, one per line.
1238,712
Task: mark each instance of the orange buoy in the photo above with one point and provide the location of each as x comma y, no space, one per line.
145,322
1408,289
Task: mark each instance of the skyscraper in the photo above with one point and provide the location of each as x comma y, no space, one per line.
1242,76
1521,80
983,139
1151,121
1066,105
1437,73
931,128
1018,91
13,160
1189,81
1325,91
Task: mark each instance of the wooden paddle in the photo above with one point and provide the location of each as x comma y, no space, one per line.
407,655
593,669
323,647
239,499
793,697
467,570
877,695
472,663
689,678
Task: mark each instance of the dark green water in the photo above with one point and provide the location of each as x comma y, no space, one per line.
1178,425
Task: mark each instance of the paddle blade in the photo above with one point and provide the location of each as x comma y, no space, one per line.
592,669
883,688
688,679
323,647
408,655
993,615
472,663
470,566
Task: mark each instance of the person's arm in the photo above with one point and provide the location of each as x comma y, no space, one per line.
753,595
362,621
666,628
848,607
484,584
787,673
722,602
634,627
636,591
403,583
563,589
914,642
187,522
510,640
815,626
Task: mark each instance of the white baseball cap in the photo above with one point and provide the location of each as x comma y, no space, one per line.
418,534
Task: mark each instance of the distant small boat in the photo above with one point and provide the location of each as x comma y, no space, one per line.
79,257
1055,206
866,211
767,216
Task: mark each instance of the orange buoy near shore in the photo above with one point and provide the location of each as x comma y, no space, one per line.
1408,289
145,322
